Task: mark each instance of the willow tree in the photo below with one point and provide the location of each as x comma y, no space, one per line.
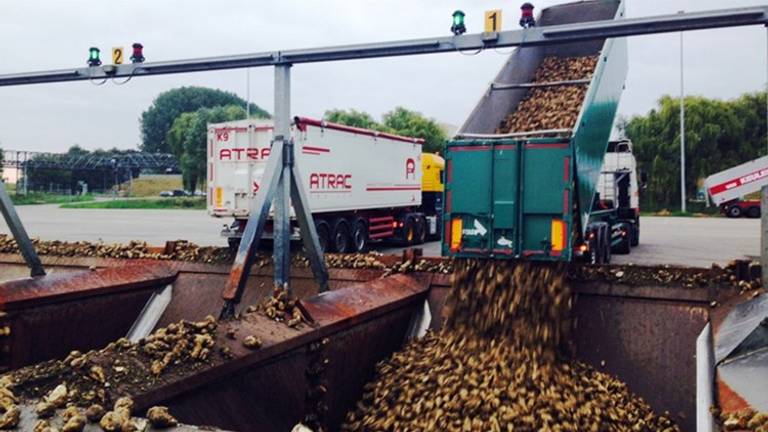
719,135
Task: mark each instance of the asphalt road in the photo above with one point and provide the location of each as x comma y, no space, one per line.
695,242
663,240
49,222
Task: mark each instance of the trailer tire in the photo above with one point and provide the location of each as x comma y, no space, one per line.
360,235
734,212
635,235
623,248
607,245
323,234
594,245
753,212
597,253
341,238
409,231
421,230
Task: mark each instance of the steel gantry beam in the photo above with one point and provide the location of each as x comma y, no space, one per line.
471,42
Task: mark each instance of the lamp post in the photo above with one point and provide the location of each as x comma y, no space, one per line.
248,93
682,128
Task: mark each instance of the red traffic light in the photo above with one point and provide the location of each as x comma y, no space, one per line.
527,20
138,53
527,9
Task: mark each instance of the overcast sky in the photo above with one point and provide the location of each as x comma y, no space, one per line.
39,35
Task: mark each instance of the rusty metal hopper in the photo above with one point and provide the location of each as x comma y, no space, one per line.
644,332
316,371
84,303
48,316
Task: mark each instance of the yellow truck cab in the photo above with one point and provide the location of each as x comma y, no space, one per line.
432,186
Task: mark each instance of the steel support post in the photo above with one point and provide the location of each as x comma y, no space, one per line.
282,204
19,233
308,231
764,234
238,276
281,183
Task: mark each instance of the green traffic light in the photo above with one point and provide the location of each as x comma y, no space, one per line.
458,23
458,18
93,57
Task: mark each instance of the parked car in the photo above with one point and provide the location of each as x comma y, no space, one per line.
174,193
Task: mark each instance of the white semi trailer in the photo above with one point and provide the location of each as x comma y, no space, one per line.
362,185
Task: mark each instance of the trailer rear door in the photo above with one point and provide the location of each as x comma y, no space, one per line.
508,198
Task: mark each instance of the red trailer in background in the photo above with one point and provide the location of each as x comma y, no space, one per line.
729,188
738,208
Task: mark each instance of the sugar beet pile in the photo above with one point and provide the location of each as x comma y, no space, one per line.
500,364
71,392
556,107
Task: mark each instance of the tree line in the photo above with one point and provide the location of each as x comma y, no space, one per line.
719,134
400,121
177,123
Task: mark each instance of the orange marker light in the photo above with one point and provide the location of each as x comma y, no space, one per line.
558,235
456,228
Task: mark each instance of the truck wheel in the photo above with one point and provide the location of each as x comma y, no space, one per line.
409,231
606,244
753,212
734,211
421,230
323,234
360,235
623,247
341,236
608,241
635,235
595,247
596,254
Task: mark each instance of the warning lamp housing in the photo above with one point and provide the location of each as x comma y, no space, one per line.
93,57
458,27
526,18
138,53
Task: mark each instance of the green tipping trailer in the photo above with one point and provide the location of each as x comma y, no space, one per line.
530,195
